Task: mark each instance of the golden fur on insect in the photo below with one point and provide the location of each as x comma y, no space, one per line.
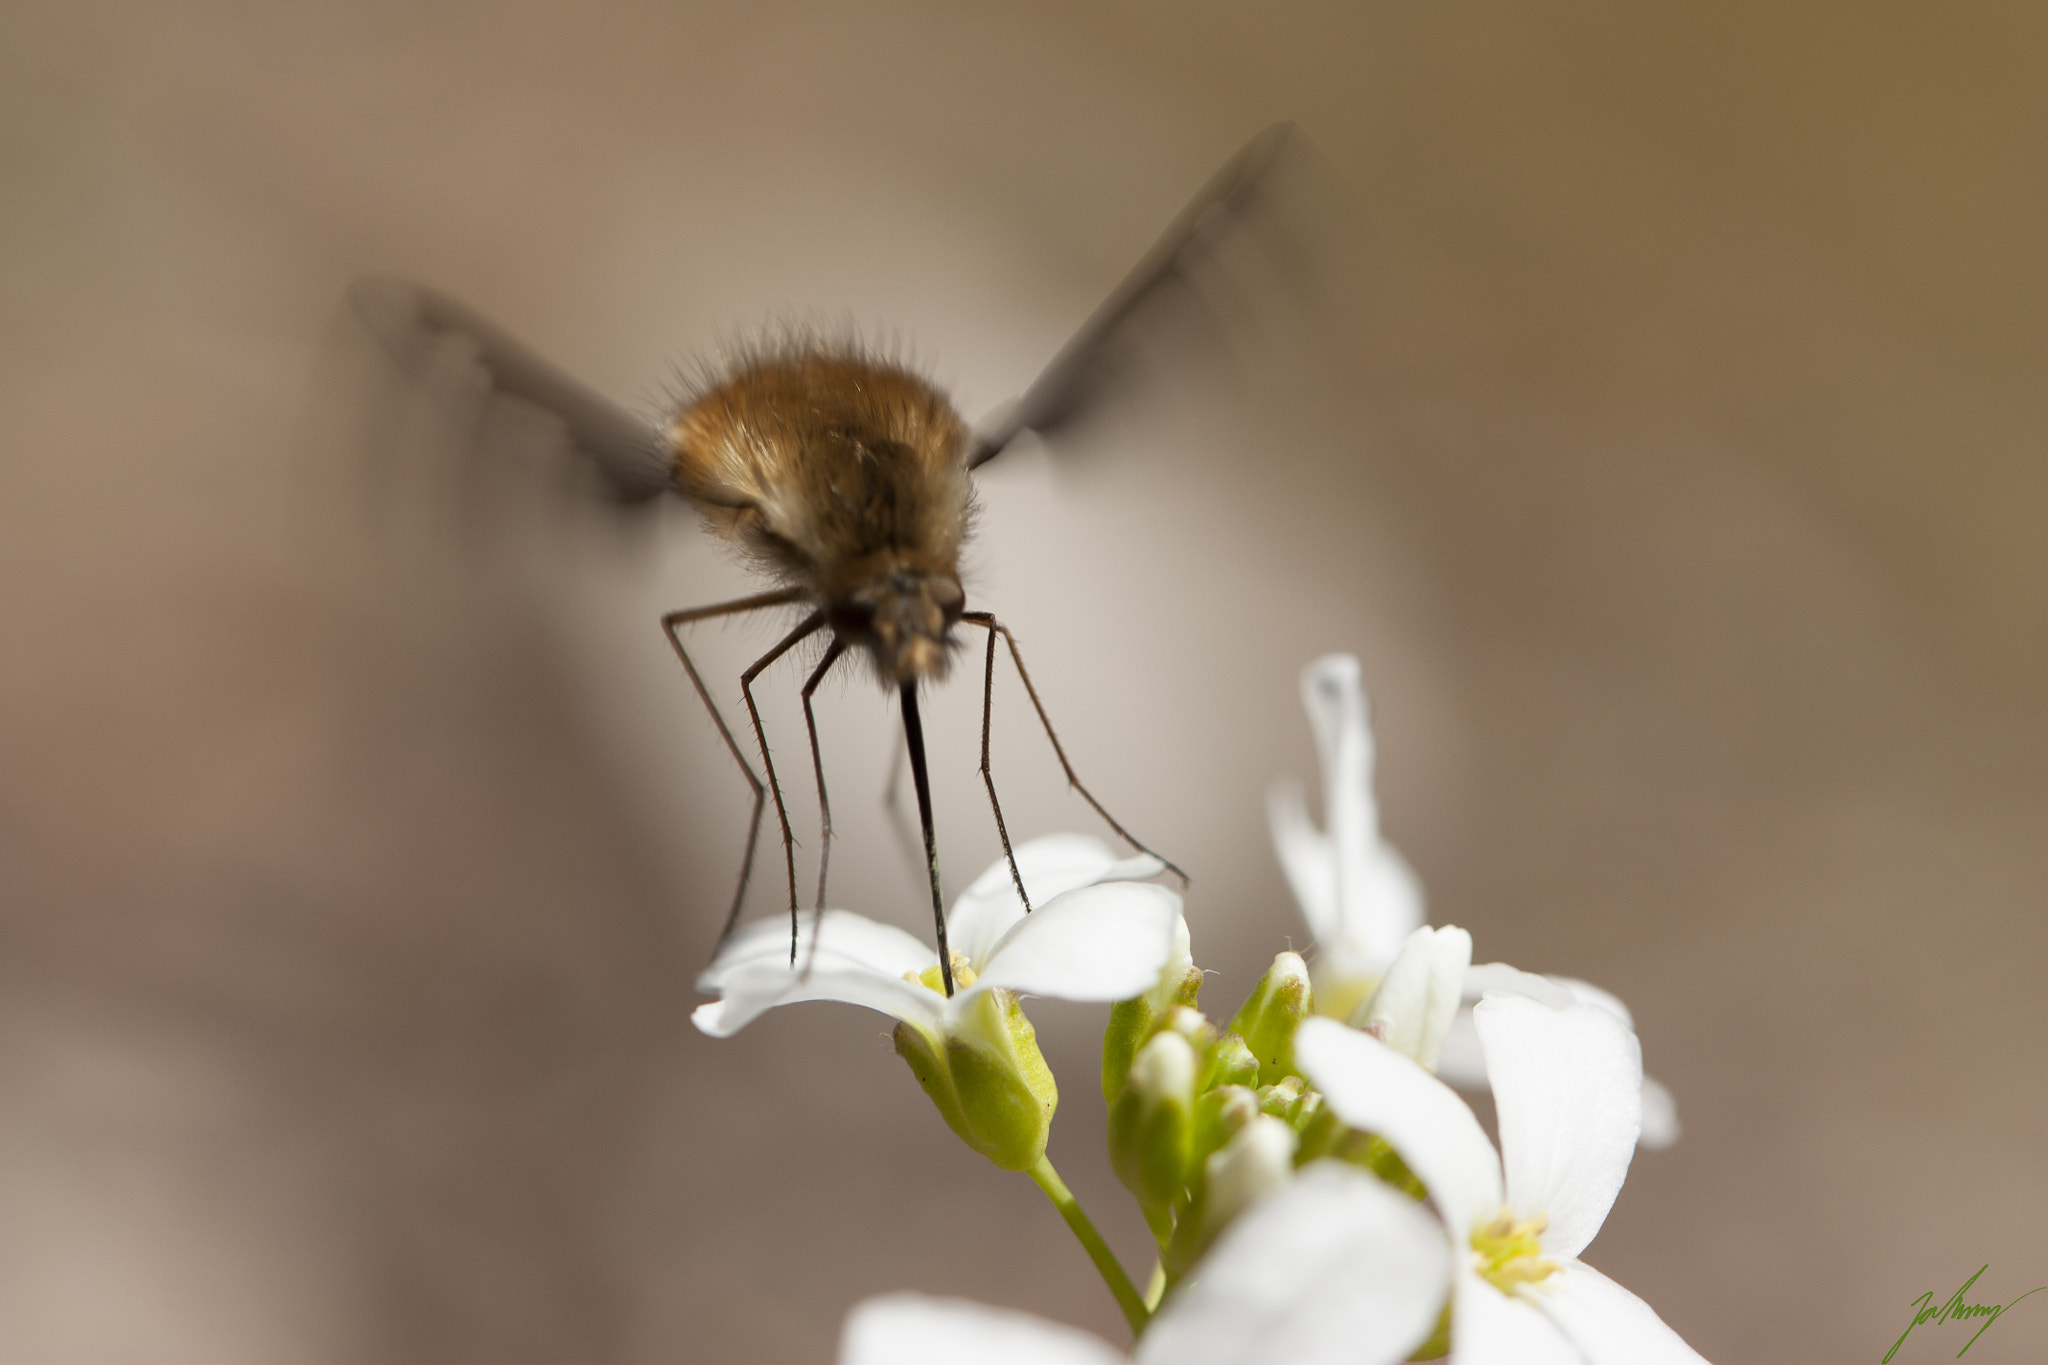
844,474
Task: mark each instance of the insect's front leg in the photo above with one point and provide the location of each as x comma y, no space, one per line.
995,628
832,653
804,629
988,621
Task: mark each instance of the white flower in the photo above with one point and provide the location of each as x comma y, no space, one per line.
1416,1003
1360,897
1333,1269
1362,900
1094,935
1567,1088
1463,1062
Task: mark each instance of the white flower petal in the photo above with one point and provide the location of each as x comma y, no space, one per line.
1609,1325
1305,857
844,940
1258,1159
1492,1328
1104,942
1384,904
1462,1062
1378,897
752,990
1050,867
912,1329
1586,993
1660,1116
1370,1086
1490,977
1568,1089
1417,1000
1333,1268
1660,1108
1360,897
1333,692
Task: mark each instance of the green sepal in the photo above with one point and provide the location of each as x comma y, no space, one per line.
1324,1134
1151,1124
1439,1344
988,1079
1253,1160
1130,1024
1268,1020
1230,1063
1291,1101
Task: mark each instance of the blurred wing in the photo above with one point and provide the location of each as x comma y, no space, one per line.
413,324
1081,373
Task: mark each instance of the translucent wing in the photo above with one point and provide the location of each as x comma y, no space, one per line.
415,324
1083,370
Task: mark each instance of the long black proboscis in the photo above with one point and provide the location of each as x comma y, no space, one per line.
913,739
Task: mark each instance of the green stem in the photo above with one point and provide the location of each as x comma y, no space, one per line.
1155,1288
1160,1220
1091,1241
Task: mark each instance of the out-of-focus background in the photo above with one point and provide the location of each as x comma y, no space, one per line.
1669,446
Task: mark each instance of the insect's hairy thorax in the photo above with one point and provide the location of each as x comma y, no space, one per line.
844,476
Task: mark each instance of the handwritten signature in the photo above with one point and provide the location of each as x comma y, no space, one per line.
1956,1308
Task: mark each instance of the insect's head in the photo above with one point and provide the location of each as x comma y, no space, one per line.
903,614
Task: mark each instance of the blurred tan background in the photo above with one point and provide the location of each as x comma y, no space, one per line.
1673,457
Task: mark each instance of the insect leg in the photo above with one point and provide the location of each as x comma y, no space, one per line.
670,625
913,740
987,621
804,629
832,653
1017,658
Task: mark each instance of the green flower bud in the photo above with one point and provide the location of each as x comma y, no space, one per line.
987,1078
1230,1063
1190,1024
1130,1024
1133,1021
1151,1125
1219,1114
1268,1020
1285,1100
1258,1158
1324,1134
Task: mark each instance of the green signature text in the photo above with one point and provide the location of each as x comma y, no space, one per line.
1925,1311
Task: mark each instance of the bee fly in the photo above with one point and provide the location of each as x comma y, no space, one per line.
845,479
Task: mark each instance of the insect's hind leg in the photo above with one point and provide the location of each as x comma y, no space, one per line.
832,653
994,628
671,625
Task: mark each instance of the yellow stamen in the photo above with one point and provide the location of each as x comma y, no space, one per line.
930,978
1511,1251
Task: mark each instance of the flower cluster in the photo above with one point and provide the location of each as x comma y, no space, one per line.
1315,1191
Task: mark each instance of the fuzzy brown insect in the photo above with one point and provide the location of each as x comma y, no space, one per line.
846,479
